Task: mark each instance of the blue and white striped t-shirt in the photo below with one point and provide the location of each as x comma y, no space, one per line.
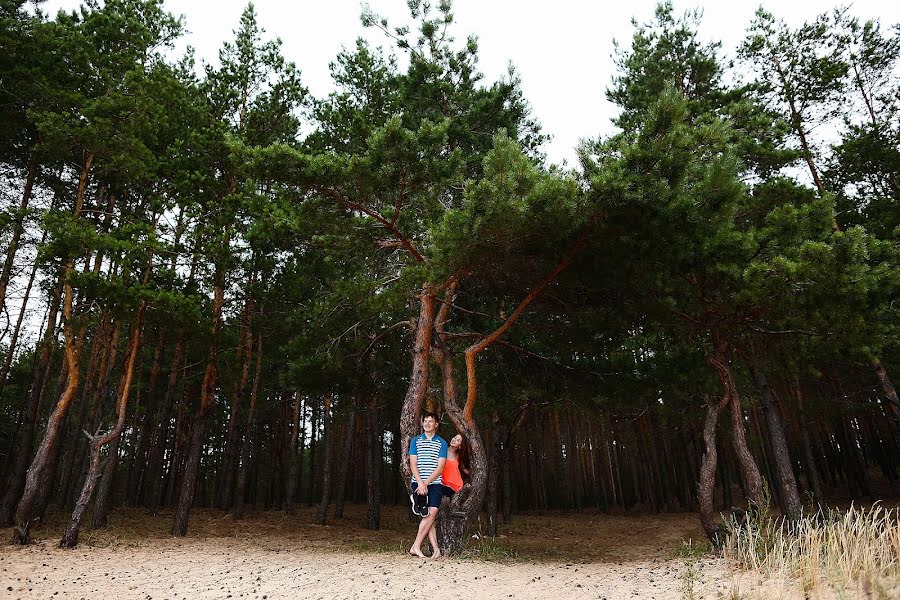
427,453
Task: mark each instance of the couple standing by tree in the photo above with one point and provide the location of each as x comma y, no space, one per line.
437,471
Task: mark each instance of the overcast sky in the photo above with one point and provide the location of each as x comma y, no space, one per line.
562,49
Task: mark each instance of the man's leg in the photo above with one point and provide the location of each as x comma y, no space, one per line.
424,527
432,538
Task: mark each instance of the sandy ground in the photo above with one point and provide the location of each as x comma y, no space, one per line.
270,555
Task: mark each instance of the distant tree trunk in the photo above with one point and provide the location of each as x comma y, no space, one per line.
346,457
374,451
232,451
18,228
707,484
327,461
36,475
207,397
25,436
787,484
294,458
890,392
312,445
498,435
14,340
154,484
138,470
247,443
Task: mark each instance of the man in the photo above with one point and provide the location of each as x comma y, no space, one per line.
427,456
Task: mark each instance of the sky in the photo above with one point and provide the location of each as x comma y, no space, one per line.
562,49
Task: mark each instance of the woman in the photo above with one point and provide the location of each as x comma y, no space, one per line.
456,469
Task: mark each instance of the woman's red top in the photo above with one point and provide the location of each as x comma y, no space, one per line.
451,475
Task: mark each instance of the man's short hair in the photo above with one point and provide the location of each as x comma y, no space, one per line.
427,414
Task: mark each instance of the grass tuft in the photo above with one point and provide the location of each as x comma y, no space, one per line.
844,552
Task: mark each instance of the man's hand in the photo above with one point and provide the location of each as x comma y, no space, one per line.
421,489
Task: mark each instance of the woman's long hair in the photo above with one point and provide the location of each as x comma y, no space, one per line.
462,455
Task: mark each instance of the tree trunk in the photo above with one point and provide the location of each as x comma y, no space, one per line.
232,450
36,475
154,479
207,396
890,392
18,228
707,483
750,475
293,472
458,513
247,442
328,430
787,484
374,470
25,435
138,471
498,436
418,381
14,340
97,442
346,457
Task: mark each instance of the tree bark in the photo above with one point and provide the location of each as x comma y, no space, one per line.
97,442
232,450
139,469
374,471
327,461
293,472
750,475
707,483
25,435
74,337
890,392
18,228
346,457
787,484
418,381
207,397
247,442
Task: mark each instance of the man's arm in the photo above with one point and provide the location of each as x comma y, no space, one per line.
437,472
422,488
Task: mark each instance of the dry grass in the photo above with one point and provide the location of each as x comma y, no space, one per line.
853,553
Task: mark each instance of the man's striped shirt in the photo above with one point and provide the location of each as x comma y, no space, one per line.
427,453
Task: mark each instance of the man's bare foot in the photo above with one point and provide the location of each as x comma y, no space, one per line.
436,556
416,552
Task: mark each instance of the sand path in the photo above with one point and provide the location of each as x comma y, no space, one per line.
228,568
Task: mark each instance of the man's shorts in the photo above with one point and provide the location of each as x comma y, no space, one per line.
435,495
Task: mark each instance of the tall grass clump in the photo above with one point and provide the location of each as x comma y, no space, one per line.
854,550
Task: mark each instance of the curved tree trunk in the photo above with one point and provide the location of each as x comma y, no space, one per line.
418,381
706,485
750,475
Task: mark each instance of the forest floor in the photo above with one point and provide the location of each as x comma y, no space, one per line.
269,555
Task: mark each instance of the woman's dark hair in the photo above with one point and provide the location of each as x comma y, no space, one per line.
462,455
